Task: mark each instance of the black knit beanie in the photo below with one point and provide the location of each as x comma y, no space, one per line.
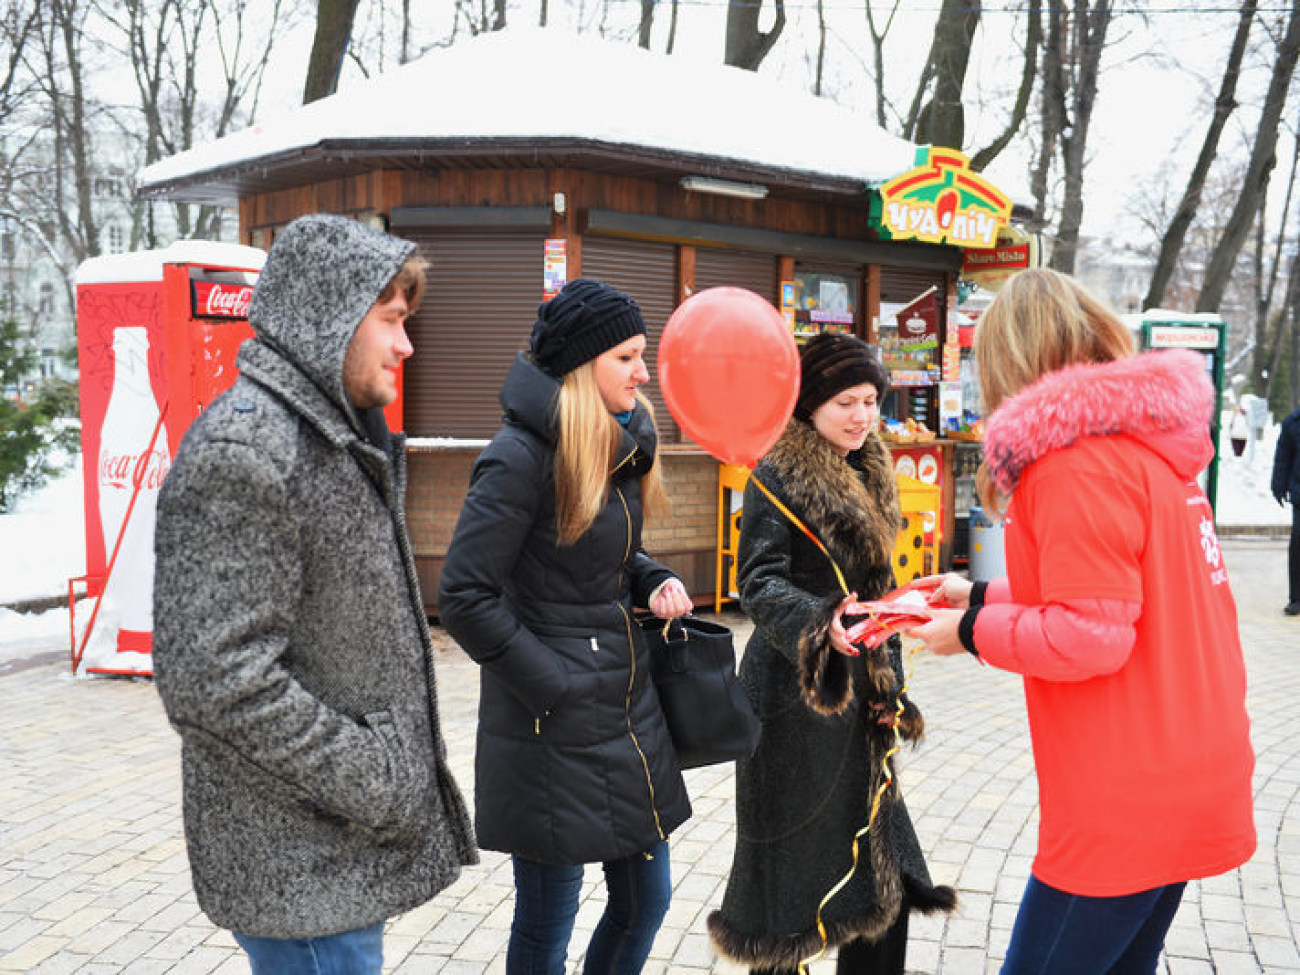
585,319
831,363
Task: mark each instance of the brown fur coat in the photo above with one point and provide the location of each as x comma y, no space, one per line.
808,788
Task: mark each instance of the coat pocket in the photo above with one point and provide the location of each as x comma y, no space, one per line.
407,776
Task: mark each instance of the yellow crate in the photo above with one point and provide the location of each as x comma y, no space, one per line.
915,554
916,550
731,488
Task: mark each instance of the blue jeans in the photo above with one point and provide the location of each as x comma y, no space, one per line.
1069,934
639,888
359,952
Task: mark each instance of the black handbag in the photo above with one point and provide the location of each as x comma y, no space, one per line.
693,666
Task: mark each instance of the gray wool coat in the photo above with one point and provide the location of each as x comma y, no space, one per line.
291,648
808,788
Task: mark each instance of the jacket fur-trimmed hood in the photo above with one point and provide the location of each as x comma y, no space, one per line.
1162,398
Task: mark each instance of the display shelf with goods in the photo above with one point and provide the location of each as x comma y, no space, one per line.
825,300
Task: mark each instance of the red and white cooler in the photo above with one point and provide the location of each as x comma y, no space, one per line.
157,335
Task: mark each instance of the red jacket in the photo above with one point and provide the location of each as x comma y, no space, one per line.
1117,611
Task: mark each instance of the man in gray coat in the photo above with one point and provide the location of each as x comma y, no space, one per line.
291,647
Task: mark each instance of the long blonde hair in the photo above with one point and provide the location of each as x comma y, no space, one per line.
1039,322
587,453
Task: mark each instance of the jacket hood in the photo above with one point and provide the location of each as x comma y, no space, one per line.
322,276
530,399
1163,399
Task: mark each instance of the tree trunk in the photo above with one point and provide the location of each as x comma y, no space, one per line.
1089,32
647,23
878,57
943,120
821,47
1262,159
333,32
1051,121
1171,244
746,45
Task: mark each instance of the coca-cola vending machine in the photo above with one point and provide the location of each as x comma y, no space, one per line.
157,335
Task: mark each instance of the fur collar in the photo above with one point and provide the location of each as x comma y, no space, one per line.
1163,399
851,503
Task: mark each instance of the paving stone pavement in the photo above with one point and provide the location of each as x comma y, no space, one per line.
94,879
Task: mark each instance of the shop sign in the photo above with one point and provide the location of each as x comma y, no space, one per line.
217,300
1180,337
990,267
943,201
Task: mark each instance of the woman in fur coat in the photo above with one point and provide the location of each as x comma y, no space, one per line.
827,711
1116,610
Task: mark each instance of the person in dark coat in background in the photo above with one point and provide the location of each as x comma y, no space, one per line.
1286,488
574,764
828,713
291,648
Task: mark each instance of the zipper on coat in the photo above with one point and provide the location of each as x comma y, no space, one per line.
631,681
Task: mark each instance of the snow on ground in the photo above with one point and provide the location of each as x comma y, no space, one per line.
42,543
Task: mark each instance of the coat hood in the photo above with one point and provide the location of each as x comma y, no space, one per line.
322,276
1164,399
530,398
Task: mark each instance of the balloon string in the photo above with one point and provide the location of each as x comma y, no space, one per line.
886,770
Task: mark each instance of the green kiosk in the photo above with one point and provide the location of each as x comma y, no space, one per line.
1201,332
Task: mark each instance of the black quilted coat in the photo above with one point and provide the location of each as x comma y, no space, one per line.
808,788
574,763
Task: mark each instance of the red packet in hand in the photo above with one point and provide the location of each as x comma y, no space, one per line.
925,587
899,610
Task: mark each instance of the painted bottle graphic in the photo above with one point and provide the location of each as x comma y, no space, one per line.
124,458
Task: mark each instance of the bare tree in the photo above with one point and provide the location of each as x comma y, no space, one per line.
821,48
1262,160
1265,281
334,19
1024,92
647,23
746,45
942,120
62,75
1079,33
1172,240
878,56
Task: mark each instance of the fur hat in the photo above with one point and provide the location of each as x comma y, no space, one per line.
831,363
585,319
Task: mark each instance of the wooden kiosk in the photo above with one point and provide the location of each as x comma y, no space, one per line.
605,161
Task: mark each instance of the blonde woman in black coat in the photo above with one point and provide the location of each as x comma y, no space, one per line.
574,764
827,712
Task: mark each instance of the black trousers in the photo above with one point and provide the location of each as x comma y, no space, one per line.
885,956
1293,552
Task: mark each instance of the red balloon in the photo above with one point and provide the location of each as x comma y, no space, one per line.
729,371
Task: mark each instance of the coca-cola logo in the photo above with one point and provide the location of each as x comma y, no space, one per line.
214,300
121,471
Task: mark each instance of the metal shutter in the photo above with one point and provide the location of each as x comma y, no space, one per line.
647,272
742,269
478,311
902,284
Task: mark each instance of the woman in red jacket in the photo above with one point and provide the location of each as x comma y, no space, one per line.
1116,610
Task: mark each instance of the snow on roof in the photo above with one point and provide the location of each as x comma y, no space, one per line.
148,265
549,83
